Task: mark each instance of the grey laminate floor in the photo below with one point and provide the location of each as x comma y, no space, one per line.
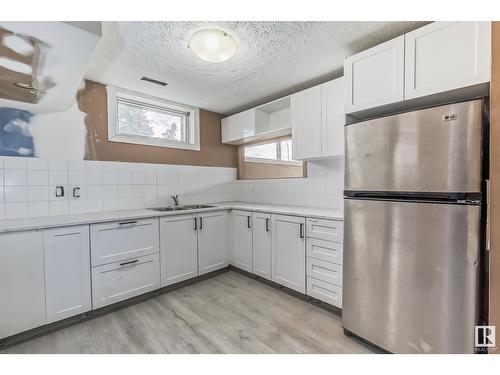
230,313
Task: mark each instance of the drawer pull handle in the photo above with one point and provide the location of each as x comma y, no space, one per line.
130,262
66,234
128,222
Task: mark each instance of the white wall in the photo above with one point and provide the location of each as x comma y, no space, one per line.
323,187
27,186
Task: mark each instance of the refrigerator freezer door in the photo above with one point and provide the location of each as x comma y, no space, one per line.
411,275
430,150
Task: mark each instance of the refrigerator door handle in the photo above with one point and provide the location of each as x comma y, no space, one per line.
488,216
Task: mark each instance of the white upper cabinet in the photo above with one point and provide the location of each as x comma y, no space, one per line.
333,118
179,248
241,227
445,56
306,123
67,272
238,126
441,57
375,77
318,120
22,289
212,241
266,121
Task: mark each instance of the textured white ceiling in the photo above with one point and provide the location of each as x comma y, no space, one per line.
274,58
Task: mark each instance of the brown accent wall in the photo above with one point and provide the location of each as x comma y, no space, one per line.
93,101
495,179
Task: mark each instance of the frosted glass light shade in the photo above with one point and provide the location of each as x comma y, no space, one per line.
213,45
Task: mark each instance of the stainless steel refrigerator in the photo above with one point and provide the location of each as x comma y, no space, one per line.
412,229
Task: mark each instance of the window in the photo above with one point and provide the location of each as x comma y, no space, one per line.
269,160
139,119
277,152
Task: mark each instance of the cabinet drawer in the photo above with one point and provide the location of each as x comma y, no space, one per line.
114,242
324,250
324,291
122,280
326,271
329,230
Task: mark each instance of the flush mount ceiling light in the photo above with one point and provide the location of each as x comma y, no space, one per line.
213,45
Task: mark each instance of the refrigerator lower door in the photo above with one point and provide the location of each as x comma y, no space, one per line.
411,274
431,150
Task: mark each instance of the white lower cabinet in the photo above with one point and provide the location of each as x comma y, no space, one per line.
179,248
289,252
324,260
119,281
241,228
67,272
326,271
261,238
116,241
212,241
326,292
22,288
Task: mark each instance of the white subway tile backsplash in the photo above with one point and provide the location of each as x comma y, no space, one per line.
15,177
58,165
58,177
109,177
38,193
143,177
16,193
38,177
94,191
38,164
93,177
95,205
38,209
93,165
76,165
78,207
59,207
110,192
15,163
124,177
16,210
118,186
124,191
76,177
323,187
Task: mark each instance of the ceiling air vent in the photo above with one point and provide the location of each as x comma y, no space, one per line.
155,81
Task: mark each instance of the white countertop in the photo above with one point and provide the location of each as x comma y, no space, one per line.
14,225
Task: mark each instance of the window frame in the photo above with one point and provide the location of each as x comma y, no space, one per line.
114,94
270,161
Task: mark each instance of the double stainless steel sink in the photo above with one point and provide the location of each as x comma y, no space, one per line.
181,208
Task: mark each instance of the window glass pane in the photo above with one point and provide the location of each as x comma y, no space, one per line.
286,150
141,120
266,151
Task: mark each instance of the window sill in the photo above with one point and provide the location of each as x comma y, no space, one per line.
271,161
145,141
